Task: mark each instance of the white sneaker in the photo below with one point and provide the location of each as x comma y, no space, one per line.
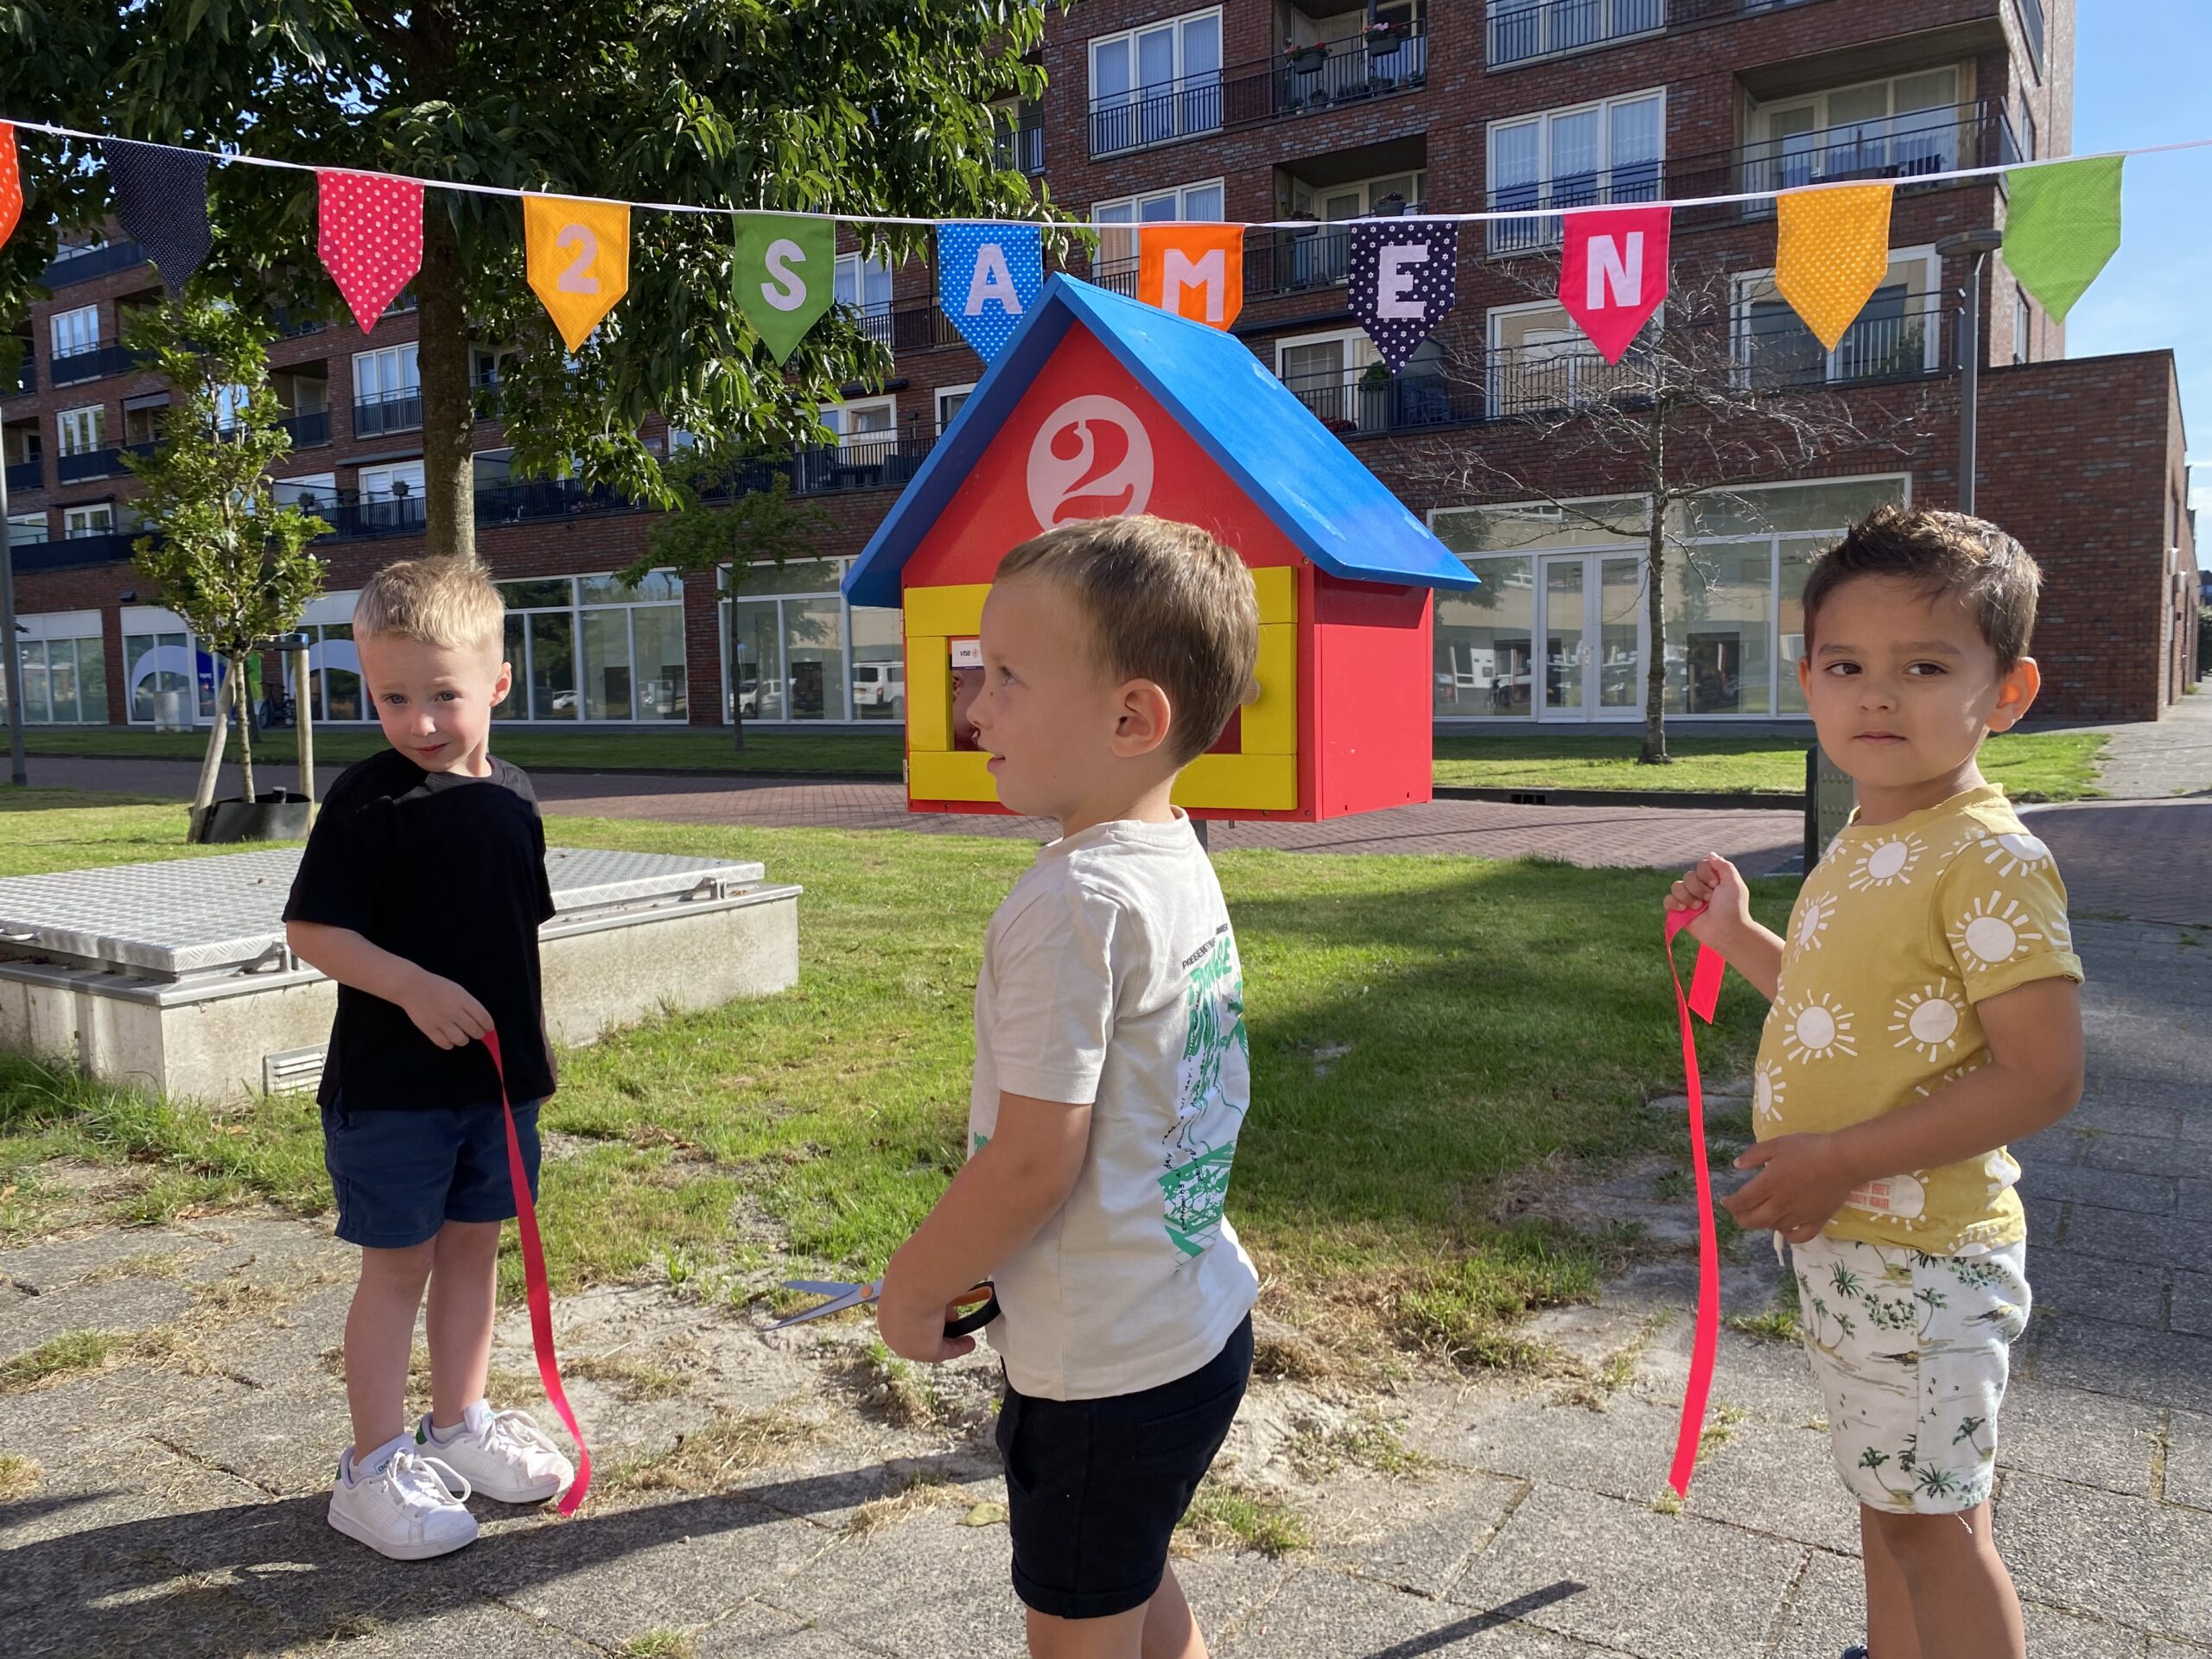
406,1508
504,1454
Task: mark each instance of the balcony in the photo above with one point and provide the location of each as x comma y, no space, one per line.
26,378
1331,74
26,475
389,411
1529,31
1296,262
1022,147
1630,181
107,547
308,429
93,463
82,264
98,364
1903,148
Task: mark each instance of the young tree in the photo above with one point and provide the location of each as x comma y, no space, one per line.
861,106
226,557
1700,406
713,528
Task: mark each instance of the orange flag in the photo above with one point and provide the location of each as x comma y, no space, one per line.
578,259
1831,251
1194,271
11,183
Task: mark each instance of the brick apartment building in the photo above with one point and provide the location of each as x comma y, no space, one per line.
1156,112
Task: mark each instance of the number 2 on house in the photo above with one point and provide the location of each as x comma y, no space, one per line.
578,278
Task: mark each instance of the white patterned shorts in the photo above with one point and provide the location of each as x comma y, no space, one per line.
1912,1352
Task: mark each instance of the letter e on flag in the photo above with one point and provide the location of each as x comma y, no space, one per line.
1612,273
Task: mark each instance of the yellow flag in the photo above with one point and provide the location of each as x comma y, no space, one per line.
1831,251
579,259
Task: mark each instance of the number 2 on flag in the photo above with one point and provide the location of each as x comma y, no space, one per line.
578,260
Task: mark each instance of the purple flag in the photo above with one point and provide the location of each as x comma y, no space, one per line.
1405,280
160,196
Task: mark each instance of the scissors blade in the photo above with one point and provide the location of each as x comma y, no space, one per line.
848,1296
821,1287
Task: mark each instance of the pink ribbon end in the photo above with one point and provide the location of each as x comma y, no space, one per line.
1702,999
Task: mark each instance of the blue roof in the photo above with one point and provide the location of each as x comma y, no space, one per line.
1249,422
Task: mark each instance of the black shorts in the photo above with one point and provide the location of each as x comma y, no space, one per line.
1094,1487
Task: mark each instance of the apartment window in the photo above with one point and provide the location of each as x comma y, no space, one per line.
77,523
64,666
1605,152
2026,134
1897,332
1323,257
387,390
27,529
949,402
1898,128
595,649
2021,324
76,332
82,431
869,419
488,364
1117,250
1156,83
313,493
1521,30
1540,360
391,496
863,287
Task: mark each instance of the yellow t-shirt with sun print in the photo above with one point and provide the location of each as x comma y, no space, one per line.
1896,936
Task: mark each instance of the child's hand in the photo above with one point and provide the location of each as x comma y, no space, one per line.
1802,1183
916,1331
1719,886
445,1014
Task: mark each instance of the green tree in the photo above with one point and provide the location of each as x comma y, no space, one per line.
856,106
713,528
227,558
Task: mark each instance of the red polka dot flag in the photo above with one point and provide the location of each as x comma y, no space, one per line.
370,238
12,184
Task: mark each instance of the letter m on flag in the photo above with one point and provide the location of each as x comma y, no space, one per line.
1612,273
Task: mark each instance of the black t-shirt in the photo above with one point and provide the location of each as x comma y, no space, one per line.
449,873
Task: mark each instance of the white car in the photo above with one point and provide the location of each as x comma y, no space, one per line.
879,685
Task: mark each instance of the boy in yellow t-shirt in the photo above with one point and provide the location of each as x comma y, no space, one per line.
1924,1013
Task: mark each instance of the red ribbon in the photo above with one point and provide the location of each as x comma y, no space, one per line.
1703,998
538,1290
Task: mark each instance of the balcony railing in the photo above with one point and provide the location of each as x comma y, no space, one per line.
1629,182
1022,147
1520,30
93,463
1293,262
1898,337
105,547
82,264
1904,147
389,411
1337,73
26,475
98,363
309,428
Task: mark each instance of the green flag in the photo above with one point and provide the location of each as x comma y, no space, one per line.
2062,223
786,275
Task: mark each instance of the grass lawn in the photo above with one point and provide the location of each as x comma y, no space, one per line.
1421,1027
2035,767
2032,766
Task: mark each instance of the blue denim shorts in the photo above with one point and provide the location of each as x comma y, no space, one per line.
399,1176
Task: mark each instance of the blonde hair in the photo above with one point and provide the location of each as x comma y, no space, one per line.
448,603
1166,602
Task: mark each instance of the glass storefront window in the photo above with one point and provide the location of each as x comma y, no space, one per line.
333,674
657,637
759,665
552,665
554,592
814,658
799,576
1485,642
516,649
606,664
878,666
163,663
1798,553
1790,508
1473,531
593,648
1720,652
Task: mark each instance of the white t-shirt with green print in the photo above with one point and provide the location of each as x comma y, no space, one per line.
1903,930
1109,974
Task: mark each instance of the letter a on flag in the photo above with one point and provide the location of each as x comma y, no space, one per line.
1831,250
785,272
1194,271
988,276
369,233
578,260
12,184
1612,273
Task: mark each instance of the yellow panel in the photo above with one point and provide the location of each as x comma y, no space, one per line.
1277,587
929,692
950,775
1253,783
946,610
1270,725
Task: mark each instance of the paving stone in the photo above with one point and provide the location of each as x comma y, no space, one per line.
1416,1534
2120,1559
1321,1613
1665,1587
478,1630
2055,1147
54,1264
179,1619
2128,1292
2126,1236
865,1588
2144,1154
124,1307
2088,1438
2156,1367
2117,1106
2110,1189
1228,1588
2054,1633
2192,1303
2189,1460
2196,1199
760,1632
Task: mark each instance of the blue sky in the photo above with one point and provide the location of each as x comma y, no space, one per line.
2138,79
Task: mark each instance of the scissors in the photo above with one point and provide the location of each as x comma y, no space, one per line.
981,1303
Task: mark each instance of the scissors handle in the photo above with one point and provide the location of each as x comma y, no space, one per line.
984,1304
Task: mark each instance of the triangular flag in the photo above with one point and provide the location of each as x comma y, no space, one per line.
988,276
578,260
160,197
12,184
1194,271
1612,273
370,228
1404,278
1831,250
785,274
2061,223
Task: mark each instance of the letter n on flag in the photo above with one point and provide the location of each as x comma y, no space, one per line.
1612,273
1194,271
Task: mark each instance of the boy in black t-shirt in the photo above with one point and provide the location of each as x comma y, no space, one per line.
420,892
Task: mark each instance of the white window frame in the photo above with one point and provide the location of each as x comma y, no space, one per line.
313,491
92,519
1757,287
74,341
1188,111
38,521
838,419
408,372
1763,156
66,420
724,599
963,391
1581,358
1359,355
1117,250
1519,236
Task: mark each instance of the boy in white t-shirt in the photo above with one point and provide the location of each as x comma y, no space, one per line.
1112,1074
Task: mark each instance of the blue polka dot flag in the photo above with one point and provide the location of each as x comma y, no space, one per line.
1404,279
160,197
988,277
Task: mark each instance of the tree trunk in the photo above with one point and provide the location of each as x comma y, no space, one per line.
211,762
244,698
1655,566
448,404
